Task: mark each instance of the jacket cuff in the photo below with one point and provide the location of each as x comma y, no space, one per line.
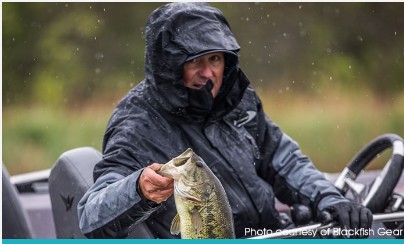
145,203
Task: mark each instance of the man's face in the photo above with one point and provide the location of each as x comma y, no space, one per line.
198,71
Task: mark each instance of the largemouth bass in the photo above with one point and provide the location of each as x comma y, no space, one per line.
203,208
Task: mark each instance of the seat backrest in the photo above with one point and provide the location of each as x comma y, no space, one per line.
15,221
69,179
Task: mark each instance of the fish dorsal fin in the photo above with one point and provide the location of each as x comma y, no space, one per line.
175,225
196,220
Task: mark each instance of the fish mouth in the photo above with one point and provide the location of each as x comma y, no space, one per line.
165,173
169,171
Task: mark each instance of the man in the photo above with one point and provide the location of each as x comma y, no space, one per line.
194,95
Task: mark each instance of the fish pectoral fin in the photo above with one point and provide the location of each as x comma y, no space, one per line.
196,220
175,225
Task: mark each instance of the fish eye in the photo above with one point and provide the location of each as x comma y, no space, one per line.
199,164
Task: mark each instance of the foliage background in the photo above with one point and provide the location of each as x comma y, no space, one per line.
330,74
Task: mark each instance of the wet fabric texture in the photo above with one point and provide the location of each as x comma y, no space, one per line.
160,118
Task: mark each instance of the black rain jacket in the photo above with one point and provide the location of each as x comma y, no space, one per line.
160,118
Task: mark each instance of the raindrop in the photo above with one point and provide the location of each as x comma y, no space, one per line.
350,67
66,5
247,19
359,38
330,77
395,33
13,39
99,55
104,10
77,49
300,6
99,21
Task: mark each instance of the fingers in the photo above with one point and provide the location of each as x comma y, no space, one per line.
366,218
156,179
344,218
155,187
155,166
159,196
354,217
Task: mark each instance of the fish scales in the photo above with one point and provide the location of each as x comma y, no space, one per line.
203,208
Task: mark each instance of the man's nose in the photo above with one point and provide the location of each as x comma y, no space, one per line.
205,70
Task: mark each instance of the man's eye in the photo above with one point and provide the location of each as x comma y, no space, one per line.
193,61
216,58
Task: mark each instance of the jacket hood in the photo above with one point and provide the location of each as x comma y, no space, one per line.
178,32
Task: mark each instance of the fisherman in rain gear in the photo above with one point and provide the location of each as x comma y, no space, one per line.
195,95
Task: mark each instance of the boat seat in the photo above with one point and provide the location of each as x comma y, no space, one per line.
69,179
15,220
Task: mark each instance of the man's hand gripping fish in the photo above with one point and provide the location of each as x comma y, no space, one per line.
202,205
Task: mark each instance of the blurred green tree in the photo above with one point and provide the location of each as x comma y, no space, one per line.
57,53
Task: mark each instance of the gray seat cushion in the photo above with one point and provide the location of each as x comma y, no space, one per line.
15,221
70,178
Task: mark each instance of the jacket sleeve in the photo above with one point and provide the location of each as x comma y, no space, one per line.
112,205
292,175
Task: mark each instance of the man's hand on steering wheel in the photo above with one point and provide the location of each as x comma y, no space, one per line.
349,216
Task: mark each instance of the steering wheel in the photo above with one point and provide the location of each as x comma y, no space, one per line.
377,195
